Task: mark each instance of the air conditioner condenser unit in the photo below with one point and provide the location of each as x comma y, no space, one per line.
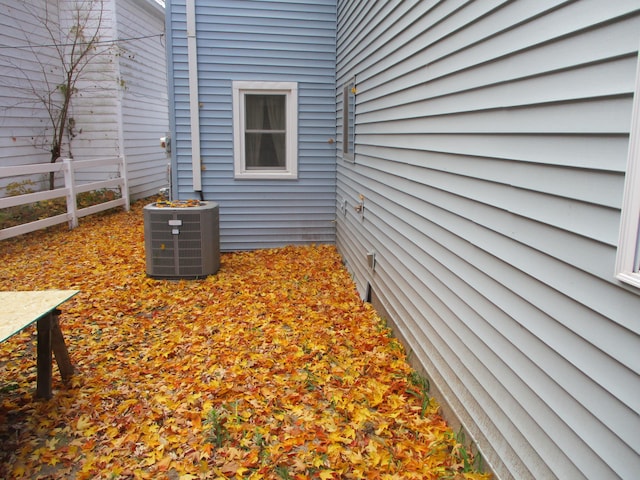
182,240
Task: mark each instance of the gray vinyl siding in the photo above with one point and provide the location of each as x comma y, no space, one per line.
291,41
491,146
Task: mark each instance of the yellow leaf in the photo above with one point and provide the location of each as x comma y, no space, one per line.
83,423
354,457
19,470
51,443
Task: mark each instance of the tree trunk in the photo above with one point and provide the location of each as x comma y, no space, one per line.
55,154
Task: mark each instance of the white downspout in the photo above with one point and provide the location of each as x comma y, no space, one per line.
194,104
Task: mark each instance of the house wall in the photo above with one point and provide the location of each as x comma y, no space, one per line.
22,119
121,105
491,146
145,108
124,109
291,41
96,108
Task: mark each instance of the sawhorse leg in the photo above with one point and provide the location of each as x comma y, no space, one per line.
44,364
60,349
50,339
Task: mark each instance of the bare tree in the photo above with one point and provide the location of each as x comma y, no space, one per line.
73,31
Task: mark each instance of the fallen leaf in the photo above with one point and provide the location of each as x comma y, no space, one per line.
271,367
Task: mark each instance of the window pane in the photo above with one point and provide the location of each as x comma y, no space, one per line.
348,119
351,120
265,150
265,112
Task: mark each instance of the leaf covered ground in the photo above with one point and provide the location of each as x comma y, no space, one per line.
273,369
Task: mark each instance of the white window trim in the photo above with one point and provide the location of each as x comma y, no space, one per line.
629,241
290,89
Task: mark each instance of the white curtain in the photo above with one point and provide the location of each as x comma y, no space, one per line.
265,131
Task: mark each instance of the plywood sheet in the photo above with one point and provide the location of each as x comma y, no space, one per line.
20,309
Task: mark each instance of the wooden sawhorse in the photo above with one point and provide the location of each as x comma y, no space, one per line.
21,309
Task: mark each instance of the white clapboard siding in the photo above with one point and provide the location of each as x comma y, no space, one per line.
121,106
258,41
491,145
22,117
145,109
95,109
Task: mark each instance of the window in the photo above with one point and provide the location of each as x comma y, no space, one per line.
628,260
348,120
265,129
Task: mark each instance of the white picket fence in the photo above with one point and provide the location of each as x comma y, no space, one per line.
70,191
